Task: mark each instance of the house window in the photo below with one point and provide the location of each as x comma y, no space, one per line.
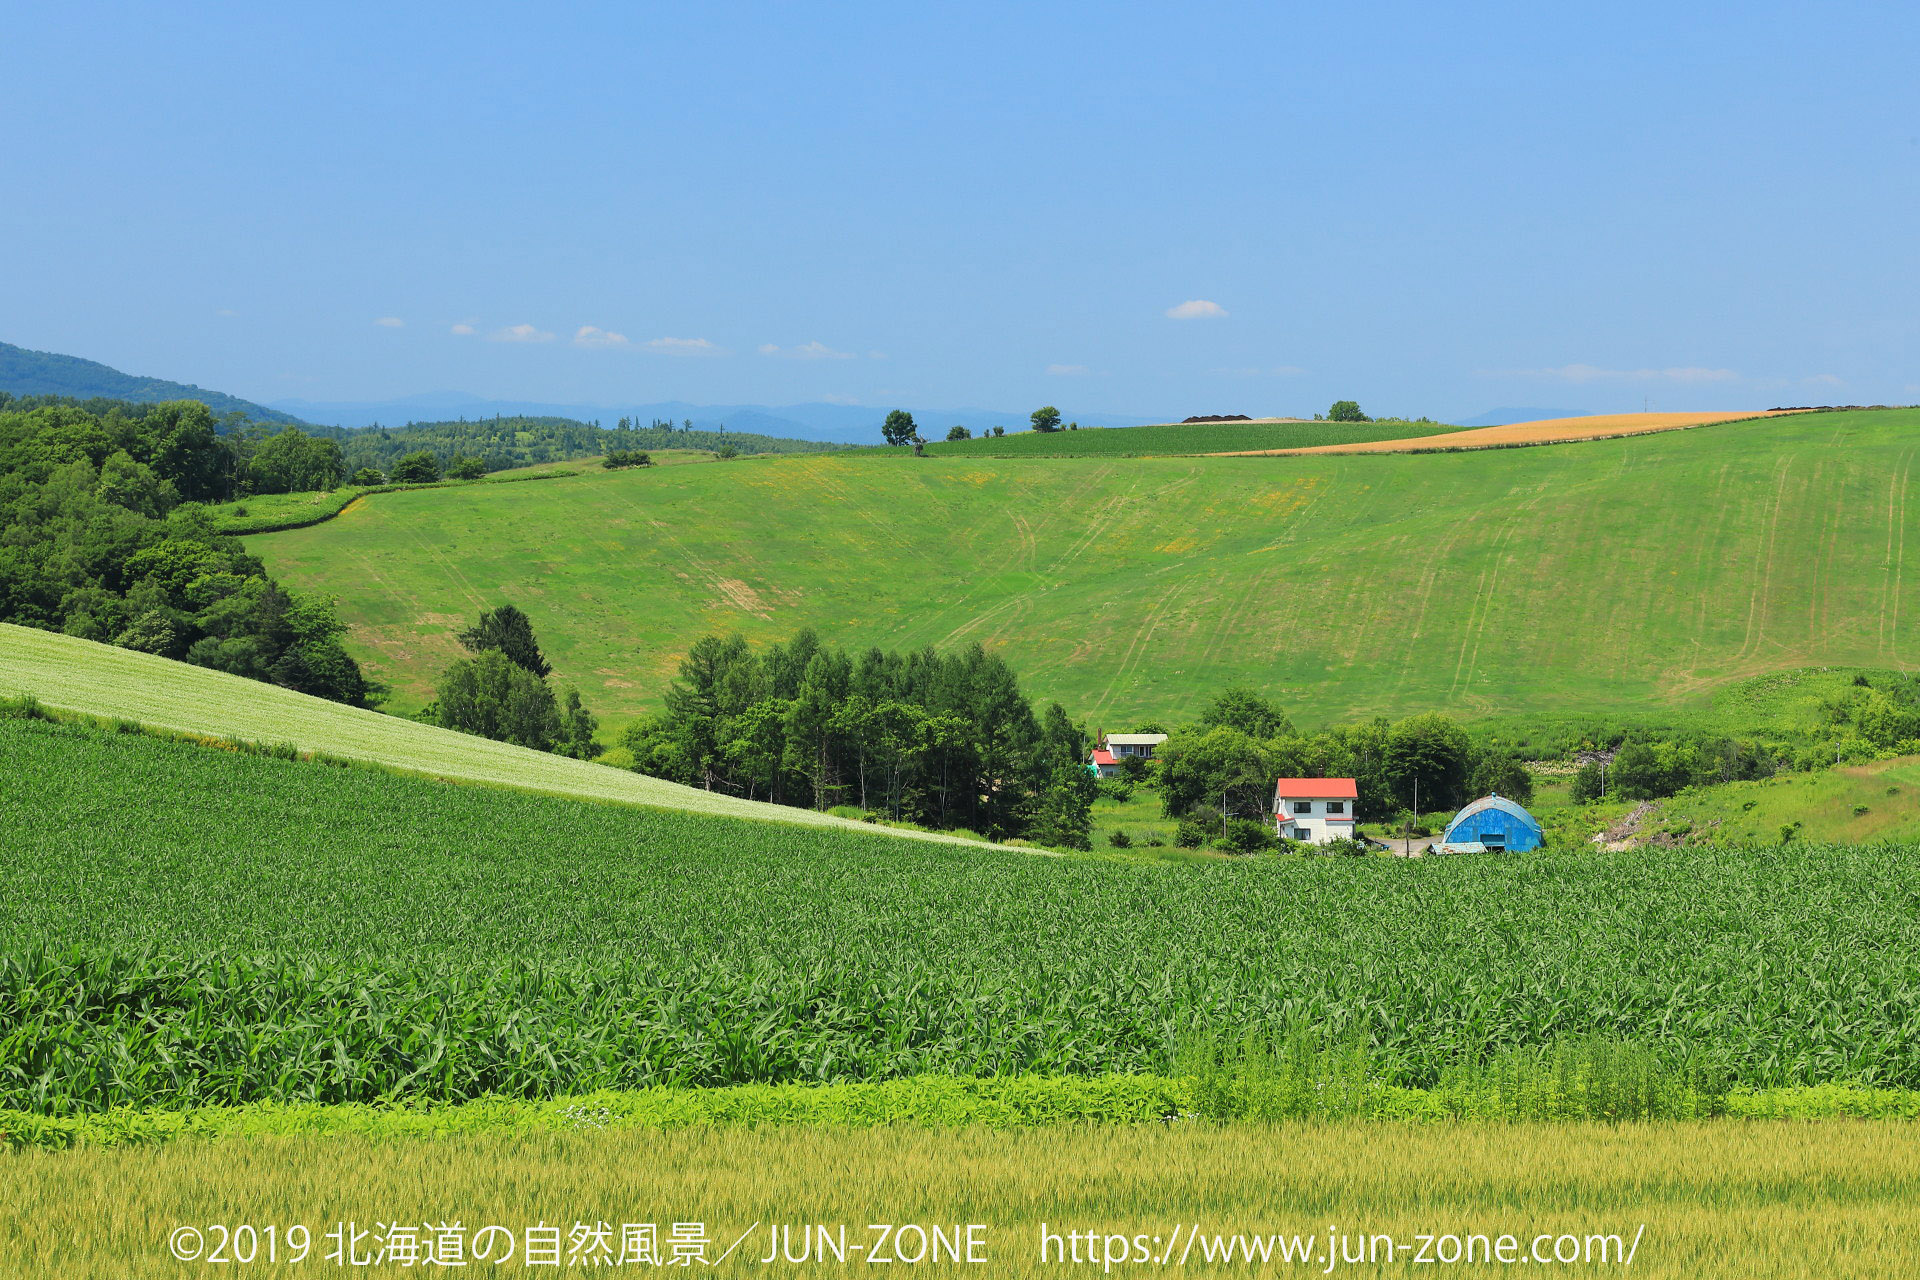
1303,806
1336,806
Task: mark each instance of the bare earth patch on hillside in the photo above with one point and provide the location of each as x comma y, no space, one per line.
1545,431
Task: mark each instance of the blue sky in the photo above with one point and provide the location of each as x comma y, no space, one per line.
1433,209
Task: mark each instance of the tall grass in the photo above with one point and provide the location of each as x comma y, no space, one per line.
1301,1076
1760,1202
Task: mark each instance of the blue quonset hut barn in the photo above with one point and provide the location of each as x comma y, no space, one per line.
1495,824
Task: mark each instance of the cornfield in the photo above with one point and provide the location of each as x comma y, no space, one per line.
185,926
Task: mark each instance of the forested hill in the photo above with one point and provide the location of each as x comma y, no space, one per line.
521,442
46,373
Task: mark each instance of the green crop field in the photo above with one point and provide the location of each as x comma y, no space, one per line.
187,925
102,681
1179,438
1638,573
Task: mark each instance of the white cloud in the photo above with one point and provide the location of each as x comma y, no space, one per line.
463,330
391,322
1274,371
1823,380
1580,373
591,336
520,333
684,347
1068,370
805,351
1196,309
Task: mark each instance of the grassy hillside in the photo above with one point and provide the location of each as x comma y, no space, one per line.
100,680
47,373
223,927
1180,438
1638,573
1854,803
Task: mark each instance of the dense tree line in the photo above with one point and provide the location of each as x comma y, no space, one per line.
500,443
1218,774
1650,769
502,691
102,536
250,457
945,740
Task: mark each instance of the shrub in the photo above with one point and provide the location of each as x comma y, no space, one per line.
420,467
1248,835
23,707
618,458
1120,840
1191,833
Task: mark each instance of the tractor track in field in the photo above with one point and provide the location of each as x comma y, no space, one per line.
1760,596
1896,555
1487,593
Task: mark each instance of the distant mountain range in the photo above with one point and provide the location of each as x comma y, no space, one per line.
46,373
41,373
835,423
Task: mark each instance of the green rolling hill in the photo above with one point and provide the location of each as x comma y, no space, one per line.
108,683
1633,574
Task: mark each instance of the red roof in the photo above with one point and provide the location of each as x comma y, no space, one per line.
1102,756
1316,789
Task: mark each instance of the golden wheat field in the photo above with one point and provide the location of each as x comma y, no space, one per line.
1544,431
1710,1199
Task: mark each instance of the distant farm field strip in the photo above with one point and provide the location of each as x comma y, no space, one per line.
1172,439
1649,569
1544,431
99,680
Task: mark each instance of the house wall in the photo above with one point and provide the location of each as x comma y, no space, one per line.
1321,825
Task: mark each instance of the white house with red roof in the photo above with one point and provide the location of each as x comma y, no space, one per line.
1314,810
1115,747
